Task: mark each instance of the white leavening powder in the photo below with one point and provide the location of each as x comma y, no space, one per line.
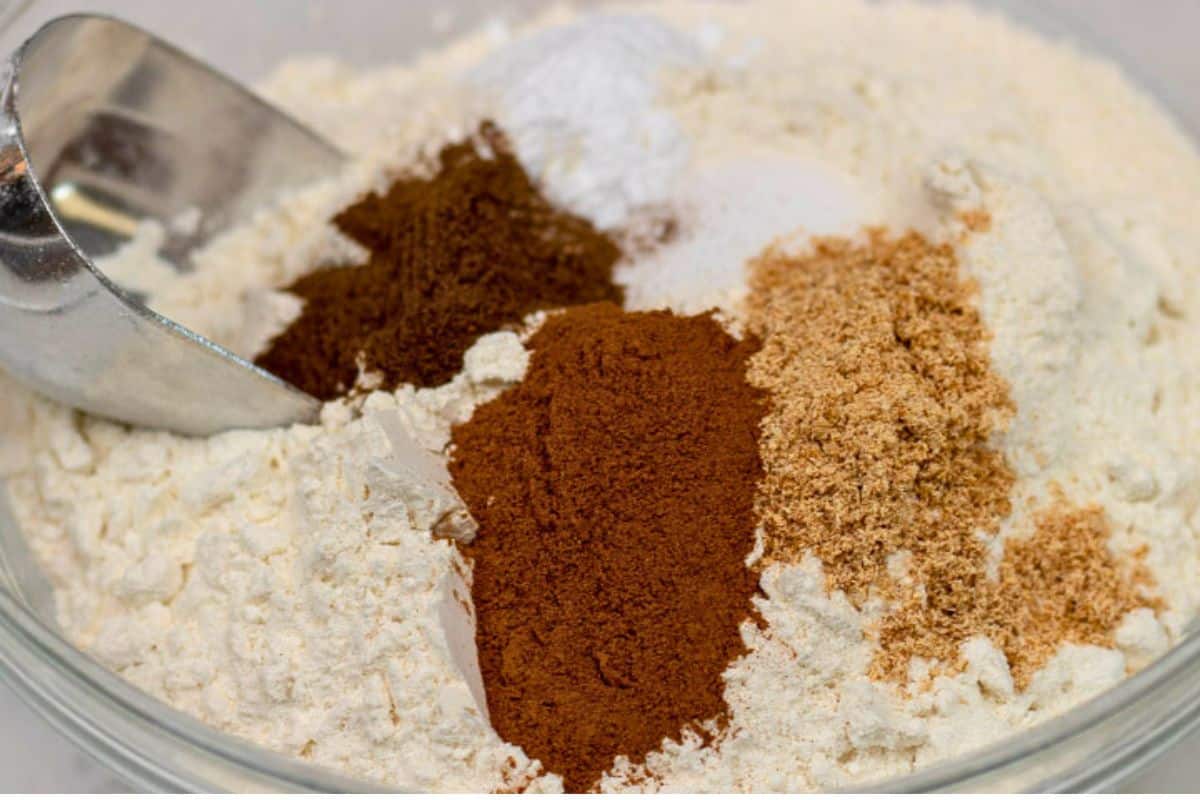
580,103
295,587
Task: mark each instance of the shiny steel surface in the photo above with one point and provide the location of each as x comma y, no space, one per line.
102,125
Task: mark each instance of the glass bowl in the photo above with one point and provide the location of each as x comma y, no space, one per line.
1092,747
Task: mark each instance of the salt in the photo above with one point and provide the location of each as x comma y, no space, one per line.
728,213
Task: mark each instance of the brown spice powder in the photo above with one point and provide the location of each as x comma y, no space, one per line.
877,443
469,251
614,492
885,402
1061,584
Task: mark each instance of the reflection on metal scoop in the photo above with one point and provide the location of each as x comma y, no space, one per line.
101,126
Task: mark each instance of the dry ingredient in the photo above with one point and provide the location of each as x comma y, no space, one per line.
877,442
582,102
1062,584
878,460
466,252
285,586
282,585
728,212
614,493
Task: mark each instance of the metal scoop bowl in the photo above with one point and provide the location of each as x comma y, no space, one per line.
103,125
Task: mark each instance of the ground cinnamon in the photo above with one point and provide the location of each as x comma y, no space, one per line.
614,494
469,251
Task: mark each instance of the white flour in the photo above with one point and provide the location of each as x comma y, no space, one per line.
282,585
285,586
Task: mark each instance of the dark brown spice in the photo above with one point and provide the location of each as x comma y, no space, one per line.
469,251
614,491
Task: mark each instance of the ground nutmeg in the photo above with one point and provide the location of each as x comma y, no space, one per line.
880,460
614,490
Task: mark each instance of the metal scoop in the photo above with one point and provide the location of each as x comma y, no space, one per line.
103,125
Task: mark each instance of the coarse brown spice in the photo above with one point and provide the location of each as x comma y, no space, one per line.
469,251
884,404
1062,584
614,492
877,445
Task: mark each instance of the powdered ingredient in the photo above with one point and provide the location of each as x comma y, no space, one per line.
581,104
614,491
878,446
285,585
469,251
1087,280
1062,584
885,401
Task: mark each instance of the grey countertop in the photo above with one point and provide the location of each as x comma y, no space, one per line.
36,758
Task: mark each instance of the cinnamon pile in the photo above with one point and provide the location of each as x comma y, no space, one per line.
469,251
614,492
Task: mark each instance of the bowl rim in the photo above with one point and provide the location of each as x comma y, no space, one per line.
20,628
